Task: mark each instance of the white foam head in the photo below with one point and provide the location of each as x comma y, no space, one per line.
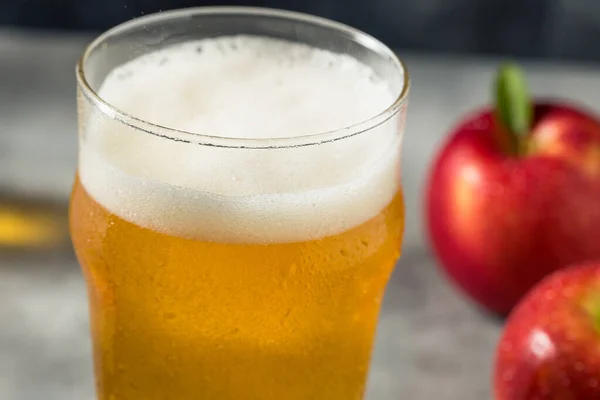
242,87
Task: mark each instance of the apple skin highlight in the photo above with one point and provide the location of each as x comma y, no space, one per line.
550,348
499,220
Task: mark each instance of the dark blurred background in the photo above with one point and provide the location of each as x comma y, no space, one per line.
527,28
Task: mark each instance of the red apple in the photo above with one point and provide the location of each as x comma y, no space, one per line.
550,349
514,195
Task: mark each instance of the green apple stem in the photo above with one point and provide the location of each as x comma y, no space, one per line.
514,108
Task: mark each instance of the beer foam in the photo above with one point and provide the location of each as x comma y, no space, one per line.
242,87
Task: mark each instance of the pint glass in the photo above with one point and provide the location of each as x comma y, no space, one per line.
237,209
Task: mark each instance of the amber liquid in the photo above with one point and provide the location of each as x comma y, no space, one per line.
181,319
28,224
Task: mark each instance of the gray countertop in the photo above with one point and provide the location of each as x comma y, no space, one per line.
431,343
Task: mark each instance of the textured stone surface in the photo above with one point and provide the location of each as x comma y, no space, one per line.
431,342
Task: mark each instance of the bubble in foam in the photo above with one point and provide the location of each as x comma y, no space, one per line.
248,87
243,87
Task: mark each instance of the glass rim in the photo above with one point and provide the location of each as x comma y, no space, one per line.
184,136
